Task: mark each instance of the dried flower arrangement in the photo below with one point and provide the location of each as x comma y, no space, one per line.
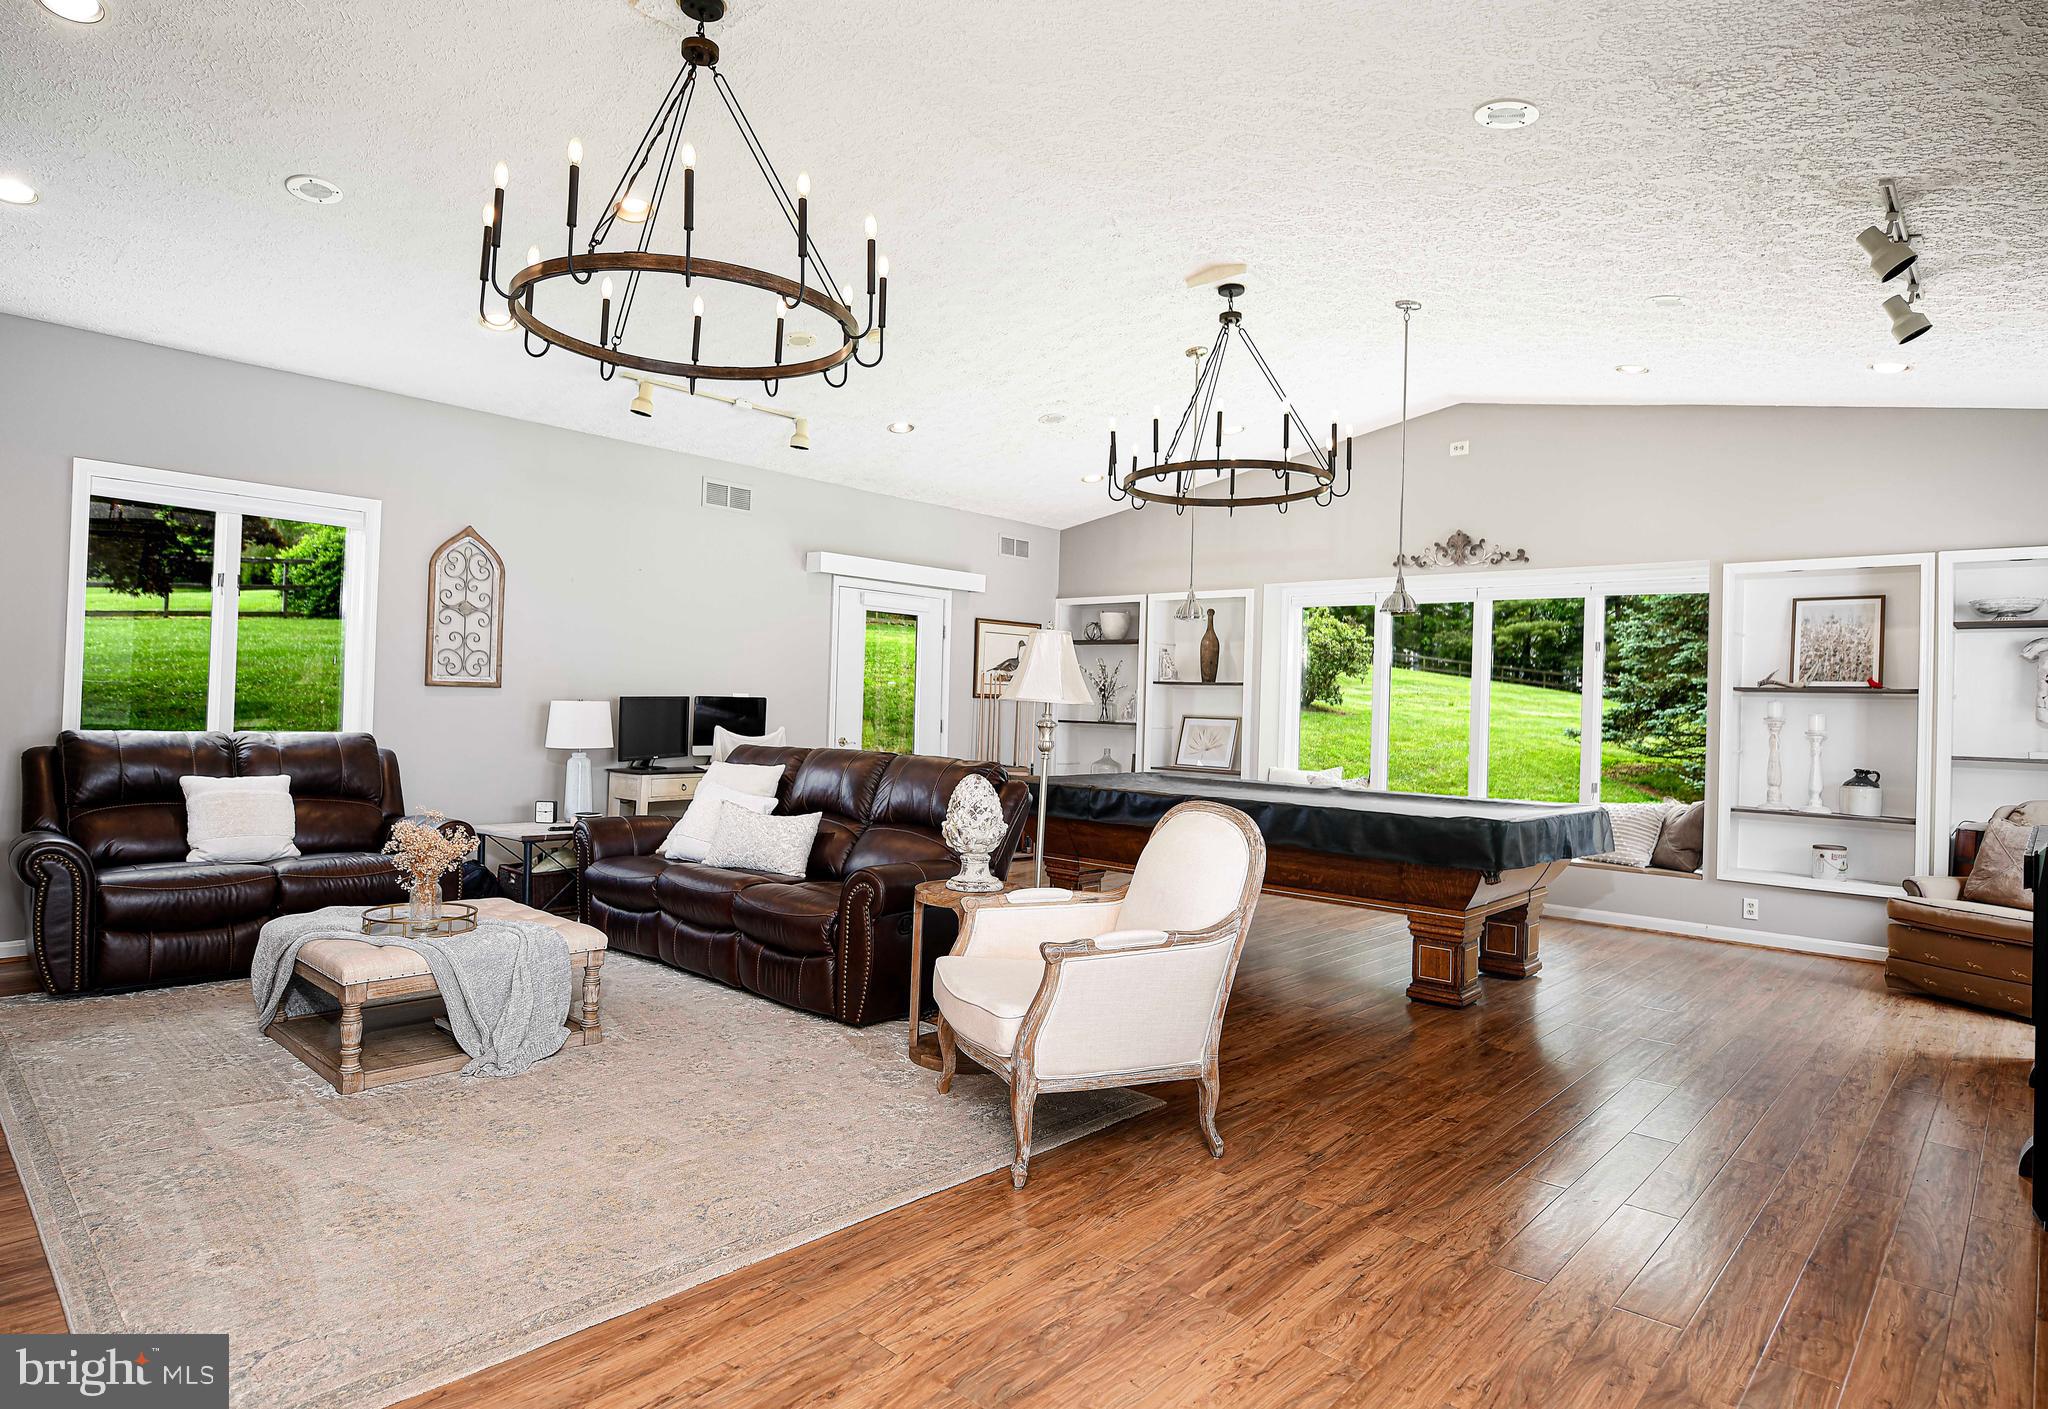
423,851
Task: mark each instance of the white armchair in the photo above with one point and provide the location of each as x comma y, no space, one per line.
1115,989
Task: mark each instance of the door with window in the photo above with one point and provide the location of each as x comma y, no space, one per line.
199,603
889,648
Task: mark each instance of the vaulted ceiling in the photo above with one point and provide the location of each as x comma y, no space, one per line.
1044,176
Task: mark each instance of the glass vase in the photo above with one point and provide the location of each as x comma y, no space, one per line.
423,901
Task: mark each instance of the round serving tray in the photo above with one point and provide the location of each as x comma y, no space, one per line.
399,920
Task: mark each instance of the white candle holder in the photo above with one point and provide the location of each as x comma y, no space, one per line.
1815,800
1774,768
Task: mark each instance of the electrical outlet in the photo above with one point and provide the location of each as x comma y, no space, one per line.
1460,447
1749,907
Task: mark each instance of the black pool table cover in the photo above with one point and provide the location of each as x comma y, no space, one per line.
1468,833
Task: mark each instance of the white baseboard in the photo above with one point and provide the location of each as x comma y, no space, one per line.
13,949
1694,929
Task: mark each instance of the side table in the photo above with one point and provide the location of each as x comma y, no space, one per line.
924,1046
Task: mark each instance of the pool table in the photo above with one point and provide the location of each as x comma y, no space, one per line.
1470,874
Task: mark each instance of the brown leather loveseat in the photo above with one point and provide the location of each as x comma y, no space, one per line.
112,903
837,941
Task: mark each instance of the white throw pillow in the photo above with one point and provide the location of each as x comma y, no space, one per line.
780,846
1637,825
690,838
753,779
724,741
1295,777
239,819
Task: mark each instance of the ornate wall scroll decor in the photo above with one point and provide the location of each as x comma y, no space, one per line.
465,612
1462,550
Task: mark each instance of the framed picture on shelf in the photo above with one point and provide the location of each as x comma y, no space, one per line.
1838,640
998,645
1207,743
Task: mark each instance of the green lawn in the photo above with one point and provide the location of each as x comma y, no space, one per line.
149,672
1533,750
889,689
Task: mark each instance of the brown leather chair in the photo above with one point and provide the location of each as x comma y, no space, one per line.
112,903
1965,950
838,940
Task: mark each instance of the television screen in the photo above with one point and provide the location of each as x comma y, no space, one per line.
742,714
653,726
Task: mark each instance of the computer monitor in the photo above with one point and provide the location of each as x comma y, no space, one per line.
651,727
741,714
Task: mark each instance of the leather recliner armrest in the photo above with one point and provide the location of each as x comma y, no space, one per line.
59,897
888,889
869,901
598,838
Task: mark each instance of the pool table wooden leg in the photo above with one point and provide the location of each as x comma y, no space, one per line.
1446,958
1509,946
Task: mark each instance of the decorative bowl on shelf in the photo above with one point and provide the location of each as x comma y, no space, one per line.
2003,608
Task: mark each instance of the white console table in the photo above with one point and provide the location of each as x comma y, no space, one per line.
628,792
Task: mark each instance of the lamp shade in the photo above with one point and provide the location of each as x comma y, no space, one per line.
1889,258
1049,672
1908,322
579,724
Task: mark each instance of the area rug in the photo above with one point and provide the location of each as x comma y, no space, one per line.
187,1174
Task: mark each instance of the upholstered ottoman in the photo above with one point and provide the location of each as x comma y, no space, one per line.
385,1029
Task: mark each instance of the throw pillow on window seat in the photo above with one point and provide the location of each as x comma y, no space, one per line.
1681,846
240,819
1637,825
1306,778
777,846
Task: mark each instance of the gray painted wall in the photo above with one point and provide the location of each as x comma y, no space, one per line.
618,581
1607,485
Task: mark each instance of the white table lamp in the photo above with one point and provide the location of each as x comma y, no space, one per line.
1048,674
578,725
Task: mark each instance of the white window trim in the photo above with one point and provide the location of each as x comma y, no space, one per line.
1482,590
232,498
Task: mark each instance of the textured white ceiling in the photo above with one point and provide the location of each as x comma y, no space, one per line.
1045,175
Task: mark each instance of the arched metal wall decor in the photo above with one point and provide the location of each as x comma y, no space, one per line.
466,613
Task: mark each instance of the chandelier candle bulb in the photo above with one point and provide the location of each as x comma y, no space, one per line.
696,329
483,272
604,312
689,187
575,177
803,215
779,324
882,277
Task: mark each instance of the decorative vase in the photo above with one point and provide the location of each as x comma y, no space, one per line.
423,900
1106,708
1212,650
1116,626
1106,764
1861,795
973,828
1093,631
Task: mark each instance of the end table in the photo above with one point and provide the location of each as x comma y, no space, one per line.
924,1046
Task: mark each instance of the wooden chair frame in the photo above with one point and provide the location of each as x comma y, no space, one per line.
1019,1069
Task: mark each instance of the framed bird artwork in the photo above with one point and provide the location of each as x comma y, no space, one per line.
997,647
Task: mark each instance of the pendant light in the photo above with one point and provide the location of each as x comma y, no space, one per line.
1400,601
1190,608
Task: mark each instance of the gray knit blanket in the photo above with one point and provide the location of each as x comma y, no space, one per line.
506,982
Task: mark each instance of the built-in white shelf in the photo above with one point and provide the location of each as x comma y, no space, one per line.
1230,693
1889,728
1083,737
1986,730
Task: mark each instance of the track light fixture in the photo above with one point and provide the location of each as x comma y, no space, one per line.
643,405
1891,253
800,438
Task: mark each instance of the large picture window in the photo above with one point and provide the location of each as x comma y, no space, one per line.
1538,686
201,603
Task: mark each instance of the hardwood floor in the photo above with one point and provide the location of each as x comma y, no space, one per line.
1664,1173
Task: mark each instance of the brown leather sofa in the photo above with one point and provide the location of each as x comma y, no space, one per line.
837,941
112,902
1964,950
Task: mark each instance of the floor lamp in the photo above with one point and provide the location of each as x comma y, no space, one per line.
1048,674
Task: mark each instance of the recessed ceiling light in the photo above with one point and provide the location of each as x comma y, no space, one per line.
1891,368
314,190
16,191
1052,418
77,11
1505,112
1631,369
1667,300
1095,478
901,427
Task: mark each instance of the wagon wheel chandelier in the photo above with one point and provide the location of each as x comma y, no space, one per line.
1176,481
644,187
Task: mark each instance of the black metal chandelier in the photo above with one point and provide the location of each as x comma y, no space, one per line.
1179,481
643,188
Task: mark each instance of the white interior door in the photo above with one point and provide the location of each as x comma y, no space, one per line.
889,651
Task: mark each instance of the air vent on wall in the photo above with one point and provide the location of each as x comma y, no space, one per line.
728,496
1016,547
